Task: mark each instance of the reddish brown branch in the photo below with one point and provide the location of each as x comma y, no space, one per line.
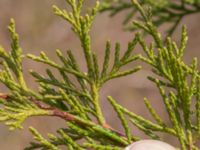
3,96
64,115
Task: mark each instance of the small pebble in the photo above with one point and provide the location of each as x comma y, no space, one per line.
150,145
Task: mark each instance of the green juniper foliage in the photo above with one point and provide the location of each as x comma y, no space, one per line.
79,105
163,11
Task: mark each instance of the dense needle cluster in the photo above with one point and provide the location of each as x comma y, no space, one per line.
78,102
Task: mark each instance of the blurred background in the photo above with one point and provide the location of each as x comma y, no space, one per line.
40,29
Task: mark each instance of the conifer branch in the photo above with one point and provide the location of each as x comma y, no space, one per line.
168,65
51,111
162,11
79,102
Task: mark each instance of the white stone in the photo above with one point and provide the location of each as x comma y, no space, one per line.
149,145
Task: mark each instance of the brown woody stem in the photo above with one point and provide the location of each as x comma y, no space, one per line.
65,115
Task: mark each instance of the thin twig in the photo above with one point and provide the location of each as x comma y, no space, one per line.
65,115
